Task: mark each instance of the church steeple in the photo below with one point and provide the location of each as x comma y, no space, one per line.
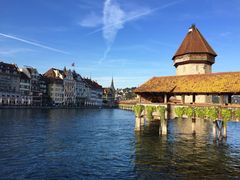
112,85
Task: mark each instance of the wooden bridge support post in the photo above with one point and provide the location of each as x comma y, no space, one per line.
147,121
163,127
225,129
219,130
138,124
214,129
183,99
165,98
221,99
229,99
142,121
168,111
193,125
193,98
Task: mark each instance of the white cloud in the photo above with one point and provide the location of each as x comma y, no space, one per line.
91,20
134,15
105,54
113,20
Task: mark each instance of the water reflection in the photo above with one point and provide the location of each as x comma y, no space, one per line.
102,144
182,155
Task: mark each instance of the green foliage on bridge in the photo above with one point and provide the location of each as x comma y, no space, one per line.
189,112
212,113
180,111
200,112
237,114
161,111
149,111
138,109
226,115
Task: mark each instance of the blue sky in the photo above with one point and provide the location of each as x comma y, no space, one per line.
131,40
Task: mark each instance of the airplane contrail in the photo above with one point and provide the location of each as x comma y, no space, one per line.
34,43
136,16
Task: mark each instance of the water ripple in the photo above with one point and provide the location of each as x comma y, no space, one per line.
102,144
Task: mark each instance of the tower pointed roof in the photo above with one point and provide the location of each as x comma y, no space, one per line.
194,42
112,85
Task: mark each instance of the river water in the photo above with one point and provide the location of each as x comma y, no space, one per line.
102,144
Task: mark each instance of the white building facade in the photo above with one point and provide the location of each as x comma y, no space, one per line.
69,89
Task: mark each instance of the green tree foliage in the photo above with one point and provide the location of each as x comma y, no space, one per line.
138,109
130,95
161,111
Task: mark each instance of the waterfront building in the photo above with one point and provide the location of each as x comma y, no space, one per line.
56,91
69,85
34,85
9,84
125,94
43,84
55,86
66,87
87,88
25,86
109,95
81,90
194,82
95,93
25,90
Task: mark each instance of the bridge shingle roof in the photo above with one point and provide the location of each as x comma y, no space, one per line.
214,83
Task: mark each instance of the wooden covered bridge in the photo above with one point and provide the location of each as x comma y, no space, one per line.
161,89
194,83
